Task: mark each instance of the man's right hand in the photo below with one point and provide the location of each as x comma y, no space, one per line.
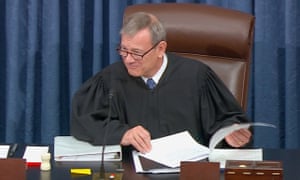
138,137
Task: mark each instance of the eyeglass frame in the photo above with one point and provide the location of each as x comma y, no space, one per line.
134,55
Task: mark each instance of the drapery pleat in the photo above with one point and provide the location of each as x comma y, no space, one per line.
15,71
32,72
292,79
49,48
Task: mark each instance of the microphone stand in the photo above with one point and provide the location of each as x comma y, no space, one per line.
102,168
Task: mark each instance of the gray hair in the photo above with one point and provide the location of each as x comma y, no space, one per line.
141,20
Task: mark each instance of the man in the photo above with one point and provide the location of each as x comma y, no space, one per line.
185,95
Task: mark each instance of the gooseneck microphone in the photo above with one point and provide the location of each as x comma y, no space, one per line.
102,168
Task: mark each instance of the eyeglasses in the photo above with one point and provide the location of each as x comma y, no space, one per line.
138,57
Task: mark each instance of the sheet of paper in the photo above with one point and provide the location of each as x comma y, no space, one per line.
170,150
139,168
4,151
223,132
34,153
221,155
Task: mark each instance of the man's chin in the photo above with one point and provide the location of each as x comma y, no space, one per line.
134,74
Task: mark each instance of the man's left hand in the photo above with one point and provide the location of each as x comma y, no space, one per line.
239,138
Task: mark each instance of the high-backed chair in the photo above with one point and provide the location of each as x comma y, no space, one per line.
221,38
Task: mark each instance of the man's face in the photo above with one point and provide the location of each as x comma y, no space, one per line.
137,62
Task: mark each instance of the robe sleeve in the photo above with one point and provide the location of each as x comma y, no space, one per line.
89,113
218,106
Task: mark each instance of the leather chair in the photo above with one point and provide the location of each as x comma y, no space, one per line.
222,38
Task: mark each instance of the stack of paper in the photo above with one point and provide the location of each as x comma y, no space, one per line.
68,148
221,155
175,148
169,151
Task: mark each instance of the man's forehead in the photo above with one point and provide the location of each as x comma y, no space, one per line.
140,39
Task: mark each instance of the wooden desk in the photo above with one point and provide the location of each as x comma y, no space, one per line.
60,171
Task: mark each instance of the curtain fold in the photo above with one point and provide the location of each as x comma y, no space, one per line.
32,71
292,79
49,48
15,74
74,37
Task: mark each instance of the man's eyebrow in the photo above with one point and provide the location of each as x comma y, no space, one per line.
135,50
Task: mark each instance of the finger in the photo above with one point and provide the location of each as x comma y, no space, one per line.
144,140
139,138
246,132
142,144
232,141
243,135
236,139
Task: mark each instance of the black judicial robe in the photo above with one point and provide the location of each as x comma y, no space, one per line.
189,96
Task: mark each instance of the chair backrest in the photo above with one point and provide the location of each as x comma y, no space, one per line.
221,38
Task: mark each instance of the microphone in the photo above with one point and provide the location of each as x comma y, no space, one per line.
102,168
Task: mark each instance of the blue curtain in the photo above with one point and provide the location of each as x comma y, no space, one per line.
276,72
48,48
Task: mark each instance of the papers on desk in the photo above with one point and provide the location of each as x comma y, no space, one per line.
33,154
4,151
144,165
169,151
68,148
221,155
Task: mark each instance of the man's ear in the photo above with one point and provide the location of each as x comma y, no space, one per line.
162,47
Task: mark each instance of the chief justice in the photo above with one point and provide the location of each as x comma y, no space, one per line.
152,93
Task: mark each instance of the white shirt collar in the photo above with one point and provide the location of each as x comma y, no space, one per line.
159,73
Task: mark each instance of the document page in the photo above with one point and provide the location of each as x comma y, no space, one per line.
154,167
4,151
223,132
173,149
